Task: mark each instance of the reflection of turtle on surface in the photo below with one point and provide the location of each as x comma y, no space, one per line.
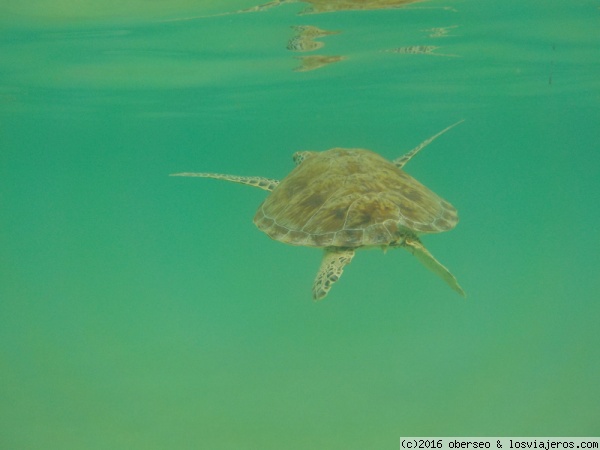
417,50
314,62
312,32
322,6
304,38
304,41
302,44
345,199
440,32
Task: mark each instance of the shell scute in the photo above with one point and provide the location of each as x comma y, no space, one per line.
349,238
378,235
321,240
297,237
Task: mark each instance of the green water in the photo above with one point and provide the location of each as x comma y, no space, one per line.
141,311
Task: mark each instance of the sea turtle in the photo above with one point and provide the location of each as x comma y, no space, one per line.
344,199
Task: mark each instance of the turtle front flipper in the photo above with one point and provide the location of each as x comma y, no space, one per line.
268,184
331,270
415,246
401,161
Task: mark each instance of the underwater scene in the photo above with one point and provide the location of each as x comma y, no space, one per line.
442,154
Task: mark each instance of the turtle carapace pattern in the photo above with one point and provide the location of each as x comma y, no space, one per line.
344,199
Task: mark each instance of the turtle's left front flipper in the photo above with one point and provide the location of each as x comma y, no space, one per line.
331,270
268,184
415,246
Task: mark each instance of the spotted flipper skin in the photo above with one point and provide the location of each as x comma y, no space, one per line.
402,160
267,184
332,267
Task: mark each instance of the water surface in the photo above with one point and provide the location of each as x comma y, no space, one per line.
139,311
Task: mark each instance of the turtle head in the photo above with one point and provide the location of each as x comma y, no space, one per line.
299,157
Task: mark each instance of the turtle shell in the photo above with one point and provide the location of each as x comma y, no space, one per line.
351,198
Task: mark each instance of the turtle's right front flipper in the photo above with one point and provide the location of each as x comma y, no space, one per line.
268,184
331,270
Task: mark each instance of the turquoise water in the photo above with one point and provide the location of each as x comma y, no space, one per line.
141,311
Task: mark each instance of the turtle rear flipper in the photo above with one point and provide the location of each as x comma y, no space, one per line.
331,270
415,246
